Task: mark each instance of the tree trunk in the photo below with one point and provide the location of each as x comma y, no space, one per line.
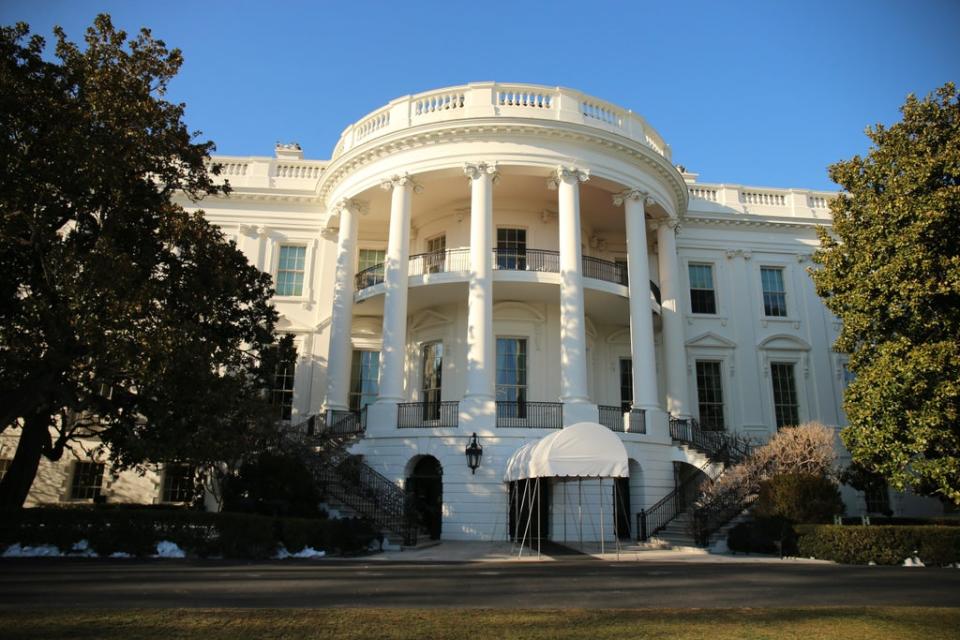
19,478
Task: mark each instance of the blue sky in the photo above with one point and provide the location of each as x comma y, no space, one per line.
765,93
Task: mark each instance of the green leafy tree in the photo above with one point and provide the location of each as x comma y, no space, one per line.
891,272
122,315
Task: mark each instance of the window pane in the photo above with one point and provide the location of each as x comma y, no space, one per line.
283,388
290,266
178,482
710,395
702,296
785,405
626,384
364,379
774,293
511,369
87,480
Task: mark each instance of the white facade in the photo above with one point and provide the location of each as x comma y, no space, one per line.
556,211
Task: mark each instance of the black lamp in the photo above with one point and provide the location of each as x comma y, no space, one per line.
474,452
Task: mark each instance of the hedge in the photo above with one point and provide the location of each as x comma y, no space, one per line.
934,545
137,532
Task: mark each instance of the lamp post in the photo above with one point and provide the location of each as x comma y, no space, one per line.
474,452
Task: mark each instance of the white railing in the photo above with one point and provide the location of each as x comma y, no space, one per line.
703,193
233,168
492,100
817,202
763,198
297,170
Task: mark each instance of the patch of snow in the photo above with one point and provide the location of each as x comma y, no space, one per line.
871,564
82,549
167,549
120,554
913,562
41,551
720,546
306,552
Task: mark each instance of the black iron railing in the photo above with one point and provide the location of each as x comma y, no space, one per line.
526,260
369,277
659,515
612,418
604,270
439,262
429,415
637,419
720,446
529,415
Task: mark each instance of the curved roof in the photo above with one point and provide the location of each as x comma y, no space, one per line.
583,450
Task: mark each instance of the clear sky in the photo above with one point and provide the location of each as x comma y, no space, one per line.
764,93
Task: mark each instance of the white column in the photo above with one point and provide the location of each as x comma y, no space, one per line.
674,347
478,409
392,354
641,314
573,335
339,357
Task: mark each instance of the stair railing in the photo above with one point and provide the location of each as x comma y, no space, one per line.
720,446
650,521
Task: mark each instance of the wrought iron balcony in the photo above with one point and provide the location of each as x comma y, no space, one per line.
542,260
529,415
439,262
428,415
612,417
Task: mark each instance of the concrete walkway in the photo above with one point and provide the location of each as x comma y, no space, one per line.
457,551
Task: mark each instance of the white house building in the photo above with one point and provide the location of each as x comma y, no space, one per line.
507,260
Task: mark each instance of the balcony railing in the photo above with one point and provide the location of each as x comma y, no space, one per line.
612,417
604,270
541,260
529,415
440,262
637,419
428,415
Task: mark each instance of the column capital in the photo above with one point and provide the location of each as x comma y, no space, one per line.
404,180
671,223
568,175
476,170
630,194
353,205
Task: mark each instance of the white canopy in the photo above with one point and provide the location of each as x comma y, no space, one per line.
583,450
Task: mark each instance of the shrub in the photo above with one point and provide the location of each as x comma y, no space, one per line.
137,532
890,545
763,535
273,484
798,498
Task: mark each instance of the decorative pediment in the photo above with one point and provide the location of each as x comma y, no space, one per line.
429,318
711,340
783,342
511,310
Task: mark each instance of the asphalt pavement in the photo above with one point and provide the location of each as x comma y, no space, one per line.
583,581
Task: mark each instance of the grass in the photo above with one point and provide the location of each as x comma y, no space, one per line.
850,623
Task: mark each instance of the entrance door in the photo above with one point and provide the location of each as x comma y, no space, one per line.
522,493
621,498
425,490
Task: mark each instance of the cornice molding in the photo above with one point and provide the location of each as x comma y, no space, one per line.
762,222
430,135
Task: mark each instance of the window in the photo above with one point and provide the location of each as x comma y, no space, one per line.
878,498
702,296
178,482
774,294
512,373
432,379
512,249
785,407
370,267
436,254
626,384
290,270
710,395
364,379
87,480
283,386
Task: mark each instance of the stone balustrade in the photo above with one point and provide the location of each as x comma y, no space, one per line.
270,173
798,203
491,100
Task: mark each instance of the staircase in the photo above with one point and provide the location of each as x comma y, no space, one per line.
321,441
674,519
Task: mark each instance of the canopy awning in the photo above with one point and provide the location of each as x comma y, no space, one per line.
583,450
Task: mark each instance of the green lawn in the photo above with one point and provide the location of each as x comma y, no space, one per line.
849,623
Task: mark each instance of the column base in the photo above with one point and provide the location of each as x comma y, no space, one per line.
478,415
574,412
382,418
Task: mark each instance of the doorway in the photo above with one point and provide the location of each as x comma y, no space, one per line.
424,489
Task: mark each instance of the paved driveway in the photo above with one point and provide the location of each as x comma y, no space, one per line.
580,582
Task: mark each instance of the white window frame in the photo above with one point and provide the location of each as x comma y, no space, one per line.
306,292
